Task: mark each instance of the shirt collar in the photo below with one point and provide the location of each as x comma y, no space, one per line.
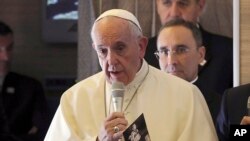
139,77
195,79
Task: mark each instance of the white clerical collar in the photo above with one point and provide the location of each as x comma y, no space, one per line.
195,79
139,77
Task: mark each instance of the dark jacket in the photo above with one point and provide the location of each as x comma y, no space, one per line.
212,98
233,108
23,106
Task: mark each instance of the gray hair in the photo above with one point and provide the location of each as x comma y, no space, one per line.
189,25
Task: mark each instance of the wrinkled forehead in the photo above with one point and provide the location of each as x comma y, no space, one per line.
110,30
111,21
120,13
110,25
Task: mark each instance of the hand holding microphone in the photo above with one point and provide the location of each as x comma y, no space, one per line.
115,122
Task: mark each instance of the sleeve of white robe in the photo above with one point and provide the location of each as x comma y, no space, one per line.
63,130
199,121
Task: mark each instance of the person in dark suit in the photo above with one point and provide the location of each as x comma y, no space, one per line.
180,50
23,107
233,110
216,70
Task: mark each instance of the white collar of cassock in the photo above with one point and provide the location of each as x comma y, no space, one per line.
195,79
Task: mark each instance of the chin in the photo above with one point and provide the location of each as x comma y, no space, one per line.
111,80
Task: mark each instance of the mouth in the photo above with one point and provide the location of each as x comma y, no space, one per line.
114,74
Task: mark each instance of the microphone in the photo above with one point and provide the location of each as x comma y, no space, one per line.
117,91
248,105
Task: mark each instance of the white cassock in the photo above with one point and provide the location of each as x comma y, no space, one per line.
174,109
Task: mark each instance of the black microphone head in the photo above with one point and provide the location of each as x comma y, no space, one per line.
117,89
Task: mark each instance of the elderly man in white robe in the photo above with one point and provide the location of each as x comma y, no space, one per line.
173,108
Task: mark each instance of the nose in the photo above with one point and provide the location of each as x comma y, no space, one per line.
171,58
175,11
111,58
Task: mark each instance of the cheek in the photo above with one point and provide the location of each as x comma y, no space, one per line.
190,63
163,63
163,14
101,62
131,66
192,15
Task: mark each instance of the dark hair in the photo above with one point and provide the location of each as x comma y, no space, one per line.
5,29
189,25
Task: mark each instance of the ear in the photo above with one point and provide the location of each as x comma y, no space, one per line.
143,42
202,52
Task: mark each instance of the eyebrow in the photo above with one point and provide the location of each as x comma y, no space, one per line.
183,0
100,47
177,0
181,45
163,47
176,46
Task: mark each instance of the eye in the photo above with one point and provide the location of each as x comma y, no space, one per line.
181,49
102,52
120,49
167,2
183,3
164,51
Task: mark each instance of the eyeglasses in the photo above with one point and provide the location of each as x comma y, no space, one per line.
180,50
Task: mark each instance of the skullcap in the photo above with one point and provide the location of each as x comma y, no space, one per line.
124,14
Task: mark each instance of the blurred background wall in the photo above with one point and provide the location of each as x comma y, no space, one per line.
245,41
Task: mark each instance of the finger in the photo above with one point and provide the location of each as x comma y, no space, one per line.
245,120
115,115
116,128
115,122
122,127
112,135
121,121
118,135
